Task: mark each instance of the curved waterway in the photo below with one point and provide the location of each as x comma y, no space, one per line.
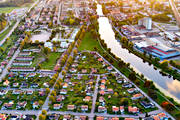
167,85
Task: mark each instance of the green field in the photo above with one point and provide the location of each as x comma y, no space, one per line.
7,9
88,43
3,35
52,57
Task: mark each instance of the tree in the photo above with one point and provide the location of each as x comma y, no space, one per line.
44,112
63,72
53,93
47,90
52,99
147,83
132,76
40,102
164,64
71,21
42,117
168,106
46,50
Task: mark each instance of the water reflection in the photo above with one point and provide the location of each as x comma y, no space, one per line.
165,83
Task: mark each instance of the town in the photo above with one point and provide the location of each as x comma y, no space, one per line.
89,60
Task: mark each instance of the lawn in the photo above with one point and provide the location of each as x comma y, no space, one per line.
3,35
7,9
51,61
88,43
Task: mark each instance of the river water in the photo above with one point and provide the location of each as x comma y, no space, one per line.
167,85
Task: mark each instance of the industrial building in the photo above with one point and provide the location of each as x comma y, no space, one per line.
157,49
146,22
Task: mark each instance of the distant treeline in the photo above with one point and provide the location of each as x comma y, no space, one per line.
14,3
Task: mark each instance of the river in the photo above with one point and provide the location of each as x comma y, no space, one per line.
167,85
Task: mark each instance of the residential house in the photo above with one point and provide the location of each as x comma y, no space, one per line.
121,109
16,92
101,99
22,63
3,92
21,105
6,83
15,84
22,69
42,93
63,91
133,109
102,109
146,105
84,108
101,92
102,87
66,117
115,109
56,106
29,92
65,85
131,90
129,119
35,104
34,85
70,107
137,96
127,85
60,98
115,118
3,116
99,118
24,58
8,105
87,98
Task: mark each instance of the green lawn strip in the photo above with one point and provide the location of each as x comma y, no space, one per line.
52,58
7,9
3,35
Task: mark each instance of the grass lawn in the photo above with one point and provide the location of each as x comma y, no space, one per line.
88,43
3,35
51,62
7,9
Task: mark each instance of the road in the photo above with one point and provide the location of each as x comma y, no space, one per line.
5,71
24,112
94,98
59,13
10,32
175,10
37,18
35,112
